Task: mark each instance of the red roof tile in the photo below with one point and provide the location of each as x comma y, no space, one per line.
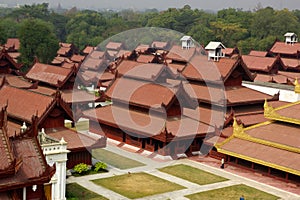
290,111
200,69
88,49
124,53
254,150
284,48
63,51
23,104
14,55
13,43
50,74
16,81
140,93
6,152
177,53
94,75
114,46
112,54
210,116
145,124
44,90
142,48
230,51
187,127
290,75
33,168
6,59
77,96
244,95
258,53
93,63
256,63
148,71
126,65
177,67
127,119
97,54
281,133
159,45
77,58
13,128
75,140
62,44
233,95
251,119
60,59
277,78
143,58
291,63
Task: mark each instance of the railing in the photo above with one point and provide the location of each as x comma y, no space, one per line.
216,57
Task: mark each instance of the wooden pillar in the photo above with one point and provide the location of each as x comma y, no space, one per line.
286,176
269,171
252,165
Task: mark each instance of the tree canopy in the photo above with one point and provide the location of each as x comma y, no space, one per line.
247,30
37,40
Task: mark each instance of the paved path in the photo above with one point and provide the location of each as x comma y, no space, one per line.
151,166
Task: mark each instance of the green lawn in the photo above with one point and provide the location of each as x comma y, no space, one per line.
76,192
79,126
114,159
137,185
233,192
192,174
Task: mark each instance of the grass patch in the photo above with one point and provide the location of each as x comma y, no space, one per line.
90,172
77,192
233,192
79,126
192,174
137,185
115,160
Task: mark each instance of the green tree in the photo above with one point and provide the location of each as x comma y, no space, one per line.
84,27
201,34
228,33
8,29
37,39
39,11
285,21
262,23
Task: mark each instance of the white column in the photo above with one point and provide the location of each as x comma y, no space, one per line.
24,193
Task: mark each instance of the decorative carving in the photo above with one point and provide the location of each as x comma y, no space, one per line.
238,129
297,86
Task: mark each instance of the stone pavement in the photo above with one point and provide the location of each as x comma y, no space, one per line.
151,166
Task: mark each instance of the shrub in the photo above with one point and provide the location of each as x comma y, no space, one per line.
100,166
81,168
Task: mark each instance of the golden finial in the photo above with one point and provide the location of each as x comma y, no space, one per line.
297,86
237,129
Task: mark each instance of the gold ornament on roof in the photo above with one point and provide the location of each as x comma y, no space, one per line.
297,86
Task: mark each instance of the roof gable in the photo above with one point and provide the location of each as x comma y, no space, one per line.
6,59
264,64
23,104
50,74
214,45
12,44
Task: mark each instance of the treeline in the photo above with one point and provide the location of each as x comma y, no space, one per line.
247,30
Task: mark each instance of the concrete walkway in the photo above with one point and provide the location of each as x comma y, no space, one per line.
151,166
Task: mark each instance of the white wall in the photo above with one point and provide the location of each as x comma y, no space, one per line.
286,94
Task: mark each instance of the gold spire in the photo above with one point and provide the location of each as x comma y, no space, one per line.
297,86
237,129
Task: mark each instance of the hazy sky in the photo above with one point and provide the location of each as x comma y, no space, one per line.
163,4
